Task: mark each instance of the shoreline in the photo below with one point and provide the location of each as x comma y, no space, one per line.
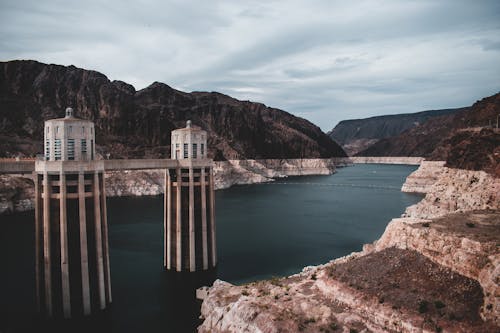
17,192
428,232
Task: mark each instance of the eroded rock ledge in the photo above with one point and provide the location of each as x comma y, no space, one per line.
434,270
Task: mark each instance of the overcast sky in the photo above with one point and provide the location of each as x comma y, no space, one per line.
322,60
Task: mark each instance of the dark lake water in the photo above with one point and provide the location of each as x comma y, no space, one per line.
263,230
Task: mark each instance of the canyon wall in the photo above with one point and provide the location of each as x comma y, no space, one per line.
433,270
356,135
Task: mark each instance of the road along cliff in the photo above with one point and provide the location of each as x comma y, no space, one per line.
435,269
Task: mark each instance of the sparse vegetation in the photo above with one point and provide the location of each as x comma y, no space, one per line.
334,326
313,276
426,225
423,306
245,292
353,330
275,280
470,224
439,305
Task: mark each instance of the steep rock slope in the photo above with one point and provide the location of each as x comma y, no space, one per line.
358,134
464,140
134,123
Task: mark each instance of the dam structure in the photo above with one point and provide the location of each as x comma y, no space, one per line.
189,204
71,231
72,263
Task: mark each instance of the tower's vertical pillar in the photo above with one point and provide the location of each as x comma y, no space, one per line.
204,217
84,261
192,249
47,267
63,234
98,242
104,214
167,225
36,180
178,222
212,218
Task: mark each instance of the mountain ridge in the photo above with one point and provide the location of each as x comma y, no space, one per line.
137,123
465,140
355,135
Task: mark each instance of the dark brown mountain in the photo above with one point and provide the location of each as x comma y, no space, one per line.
466,140
137,124
355,135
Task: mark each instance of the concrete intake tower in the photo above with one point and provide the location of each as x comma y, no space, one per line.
72,253
189,204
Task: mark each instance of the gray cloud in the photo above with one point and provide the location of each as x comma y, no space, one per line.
322,60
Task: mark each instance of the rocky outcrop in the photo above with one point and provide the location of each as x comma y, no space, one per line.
134,183
238,172
434,270
422,179
16,194
458,191
460,242
358,134
137,124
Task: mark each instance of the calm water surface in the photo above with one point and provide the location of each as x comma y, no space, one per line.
263,230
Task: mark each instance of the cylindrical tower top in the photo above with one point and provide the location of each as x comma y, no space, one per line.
69,138
189,142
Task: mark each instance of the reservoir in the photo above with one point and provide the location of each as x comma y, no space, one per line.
263,230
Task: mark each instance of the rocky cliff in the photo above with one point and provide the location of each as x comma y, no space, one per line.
464,139
358,134
135,124
434,270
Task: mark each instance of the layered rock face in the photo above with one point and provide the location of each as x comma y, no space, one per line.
455,191
434,270
358,134
137,124
238,172
422,179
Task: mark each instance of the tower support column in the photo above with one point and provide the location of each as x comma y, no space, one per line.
98,242
84,261
204,217
212,217
167,260
63,233
178,222
192,248
46,245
